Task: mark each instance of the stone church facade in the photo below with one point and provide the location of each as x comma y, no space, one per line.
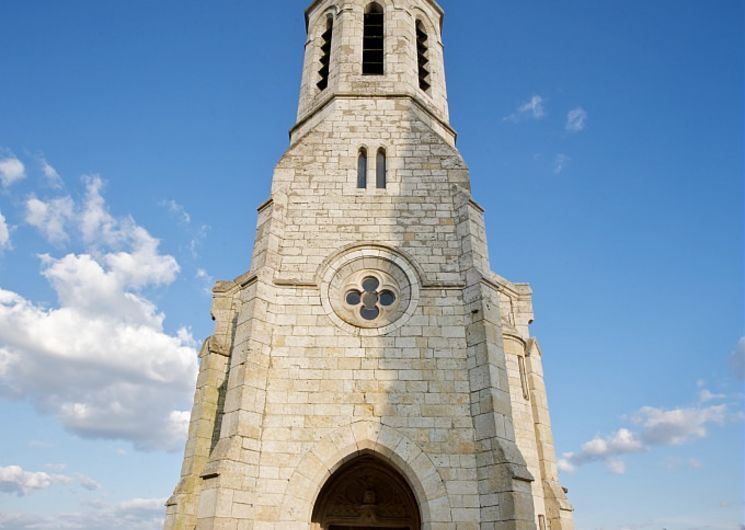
370,371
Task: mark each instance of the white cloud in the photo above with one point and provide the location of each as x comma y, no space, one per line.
100,361
531,109
606,449
208,281
560,162
87,483
140,265
16,480
738,359
197,238
53,177
104,369
51,217
677,426
182,216
705,395
4,233
134,514
576,120
97,226
11,171
658,427
176,210
534,108
143,265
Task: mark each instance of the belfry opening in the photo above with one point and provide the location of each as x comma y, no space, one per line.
366,493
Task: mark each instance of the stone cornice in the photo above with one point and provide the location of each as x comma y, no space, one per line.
315,3
344,95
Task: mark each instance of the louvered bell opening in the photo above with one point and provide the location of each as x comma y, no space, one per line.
373,54
325,58
422,48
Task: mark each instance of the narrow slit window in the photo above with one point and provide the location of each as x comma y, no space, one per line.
326,54
422,53
523,377
381,170
373,50
362,169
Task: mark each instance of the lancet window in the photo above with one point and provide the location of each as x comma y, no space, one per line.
362,169
381,171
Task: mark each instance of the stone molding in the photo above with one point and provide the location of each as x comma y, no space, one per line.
375,256
351,441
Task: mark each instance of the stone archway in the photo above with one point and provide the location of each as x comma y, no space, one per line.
366,493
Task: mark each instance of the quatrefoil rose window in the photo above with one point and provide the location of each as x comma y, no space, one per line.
370,298
370,293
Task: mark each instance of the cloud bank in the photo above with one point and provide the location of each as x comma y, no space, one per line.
16,480
100,360
655,427
133,514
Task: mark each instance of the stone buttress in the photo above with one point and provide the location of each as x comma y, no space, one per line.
370,325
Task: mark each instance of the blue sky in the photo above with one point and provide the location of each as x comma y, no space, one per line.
605,140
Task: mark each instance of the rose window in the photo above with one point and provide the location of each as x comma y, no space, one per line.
370,299
369,295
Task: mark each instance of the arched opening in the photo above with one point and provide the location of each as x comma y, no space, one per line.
326,54
381,171
362,169
422,54
366,493
373,46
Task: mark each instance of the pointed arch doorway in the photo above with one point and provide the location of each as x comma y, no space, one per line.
366,493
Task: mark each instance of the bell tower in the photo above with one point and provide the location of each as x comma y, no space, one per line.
370,371
374,49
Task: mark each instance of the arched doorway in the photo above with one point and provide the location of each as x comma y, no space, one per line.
366,494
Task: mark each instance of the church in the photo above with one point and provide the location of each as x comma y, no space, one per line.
370,371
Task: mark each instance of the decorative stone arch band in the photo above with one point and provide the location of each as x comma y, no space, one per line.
369,290
349,442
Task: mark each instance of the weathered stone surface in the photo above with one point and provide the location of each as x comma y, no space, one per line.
445,383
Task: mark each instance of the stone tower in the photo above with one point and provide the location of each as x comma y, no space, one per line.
370,371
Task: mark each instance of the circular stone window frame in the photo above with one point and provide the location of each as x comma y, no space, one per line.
374,260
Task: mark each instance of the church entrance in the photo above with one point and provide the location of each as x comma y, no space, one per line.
366,493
